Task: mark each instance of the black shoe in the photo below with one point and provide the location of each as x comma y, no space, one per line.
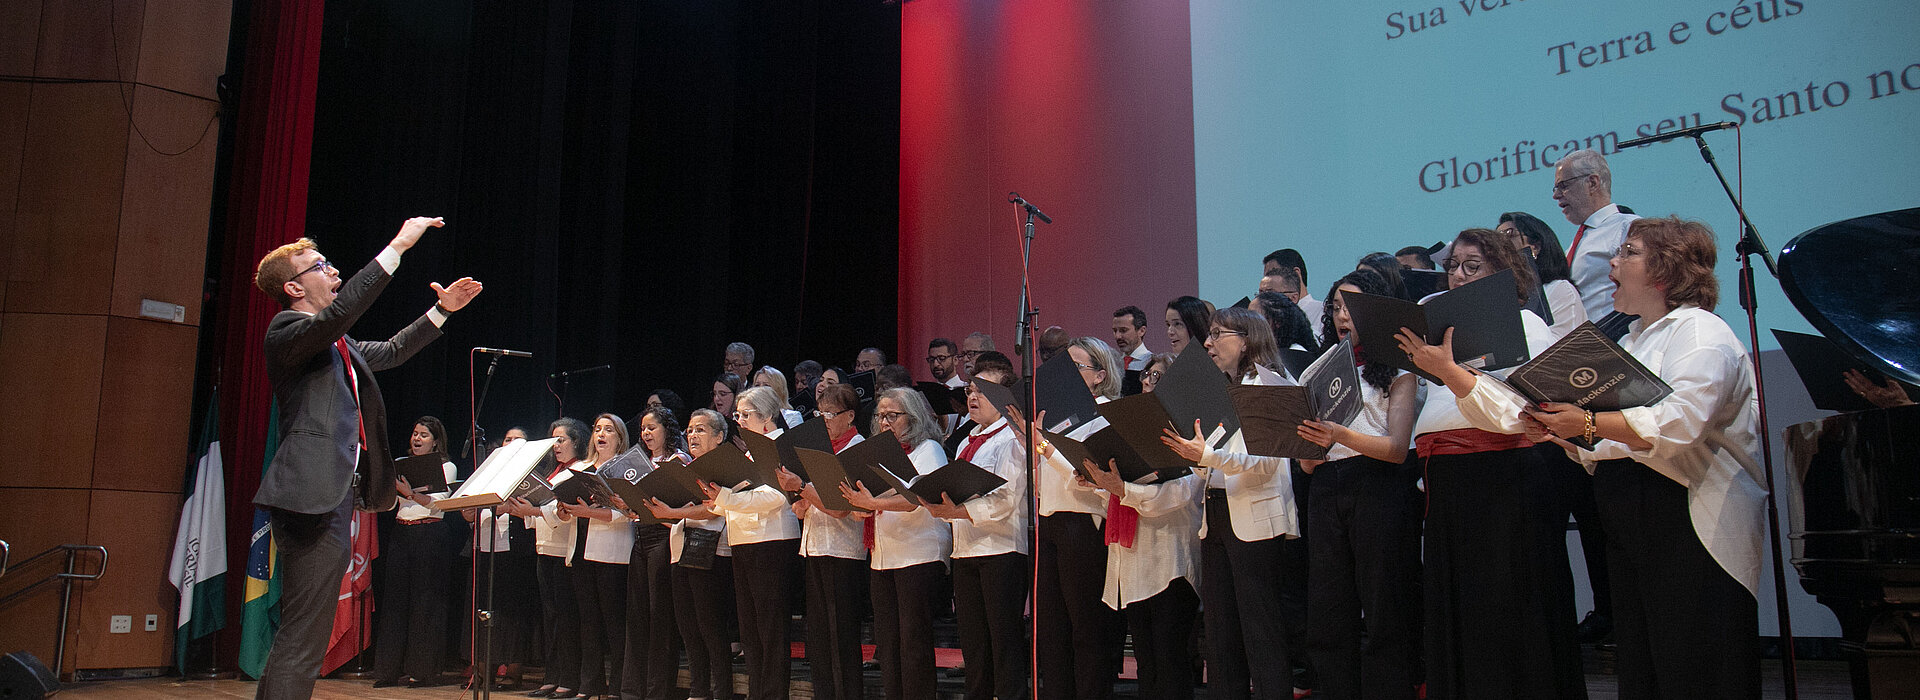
543,691
386,683
426,683
1594,628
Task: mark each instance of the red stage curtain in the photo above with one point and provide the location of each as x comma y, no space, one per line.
267,207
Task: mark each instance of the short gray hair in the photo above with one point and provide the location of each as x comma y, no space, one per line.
741,349
763,400
986,341
914,404
1587,161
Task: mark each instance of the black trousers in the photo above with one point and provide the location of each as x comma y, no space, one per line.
1497,590
1296,561
1685,628
1246,624
703,602
1366,578
836,589
903,629
761,594
1576,487
1162,628
652,657
990,600
411,612
1078,635
559,622
312,551
600,589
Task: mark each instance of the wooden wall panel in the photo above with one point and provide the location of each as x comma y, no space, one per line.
13,140
137,530
51,390
71,176
146,401
40,518
85,39
19,36
183,45
162,248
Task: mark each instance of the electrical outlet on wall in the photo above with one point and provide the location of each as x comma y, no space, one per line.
153,623
121,624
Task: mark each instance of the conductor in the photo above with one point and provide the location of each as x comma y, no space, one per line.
333,449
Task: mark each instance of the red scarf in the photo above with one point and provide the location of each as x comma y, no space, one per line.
1123,522
974,442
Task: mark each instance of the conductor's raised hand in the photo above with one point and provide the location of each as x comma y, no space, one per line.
455,296
1190,449
410,231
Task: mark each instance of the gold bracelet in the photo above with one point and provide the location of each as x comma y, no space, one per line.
1591,428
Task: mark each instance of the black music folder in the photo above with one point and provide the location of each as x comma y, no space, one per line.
1297,361
1138,421
945,400
811,435
728,466
1194,389
535,489
425,473
672,483
583,487
1420,283
1063,394
1333,384
1243,303
1588,370
1822,364
862,383
1484,313
881,451
1270,419
959,481
1001,396
1108,449
829,473
761,448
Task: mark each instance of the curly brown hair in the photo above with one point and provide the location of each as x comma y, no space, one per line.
1500,251
1680,257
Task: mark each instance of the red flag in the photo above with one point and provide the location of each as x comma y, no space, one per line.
353,615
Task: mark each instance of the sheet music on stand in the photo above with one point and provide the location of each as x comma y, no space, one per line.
499,476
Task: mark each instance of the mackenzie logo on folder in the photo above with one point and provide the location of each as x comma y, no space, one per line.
1590,371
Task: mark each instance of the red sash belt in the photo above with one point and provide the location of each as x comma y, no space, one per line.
1462,441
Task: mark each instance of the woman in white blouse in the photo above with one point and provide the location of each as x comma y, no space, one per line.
765,537
702,597
1153,571
1678,482
413,592
990,566
1365,518
833,545
652,650
776,380
1249,510
910,550
553,535
600,570
1498,591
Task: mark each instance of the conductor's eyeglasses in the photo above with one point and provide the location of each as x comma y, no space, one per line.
322,265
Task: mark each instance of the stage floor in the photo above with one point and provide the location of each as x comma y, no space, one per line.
1819,680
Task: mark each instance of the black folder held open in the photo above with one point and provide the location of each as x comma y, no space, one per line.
959,481
425,473
1484,315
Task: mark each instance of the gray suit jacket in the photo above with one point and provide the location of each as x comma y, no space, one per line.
313,469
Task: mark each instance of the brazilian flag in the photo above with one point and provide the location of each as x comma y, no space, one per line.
260,616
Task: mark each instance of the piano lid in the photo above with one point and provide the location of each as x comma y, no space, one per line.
1858,282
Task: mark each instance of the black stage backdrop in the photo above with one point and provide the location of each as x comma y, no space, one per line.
636,183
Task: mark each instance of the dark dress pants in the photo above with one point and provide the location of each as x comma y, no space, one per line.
412,607
1366,579
312,551
903,629
836,589
762,593
1246,627
1162,628
652,657
1078,635
559,621
990,600
702,601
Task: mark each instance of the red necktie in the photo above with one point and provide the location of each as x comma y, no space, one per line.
346,363
1574,249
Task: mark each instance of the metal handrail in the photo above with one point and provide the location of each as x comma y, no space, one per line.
68,575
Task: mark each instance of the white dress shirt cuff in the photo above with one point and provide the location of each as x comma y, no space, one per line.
389,259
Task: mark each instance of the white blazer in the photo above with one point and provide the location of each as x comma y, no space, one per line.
1259,489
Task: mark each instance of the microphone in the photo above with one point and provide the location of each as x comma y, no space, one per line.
507,353
1680,133
569,373
1014,198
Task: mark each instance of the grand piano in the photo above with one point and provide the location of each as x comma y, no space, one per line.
1854,486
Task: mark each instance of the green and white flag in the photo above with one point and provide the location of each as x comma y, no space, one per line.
199,566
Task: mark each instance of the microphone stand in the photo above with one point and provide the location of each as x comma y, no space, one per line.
1749,246
481,677
1025,349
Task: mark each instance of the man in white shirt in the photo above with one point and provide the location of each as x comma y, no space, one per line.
1291,271
970,348
1130,336
1583,188
943,362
